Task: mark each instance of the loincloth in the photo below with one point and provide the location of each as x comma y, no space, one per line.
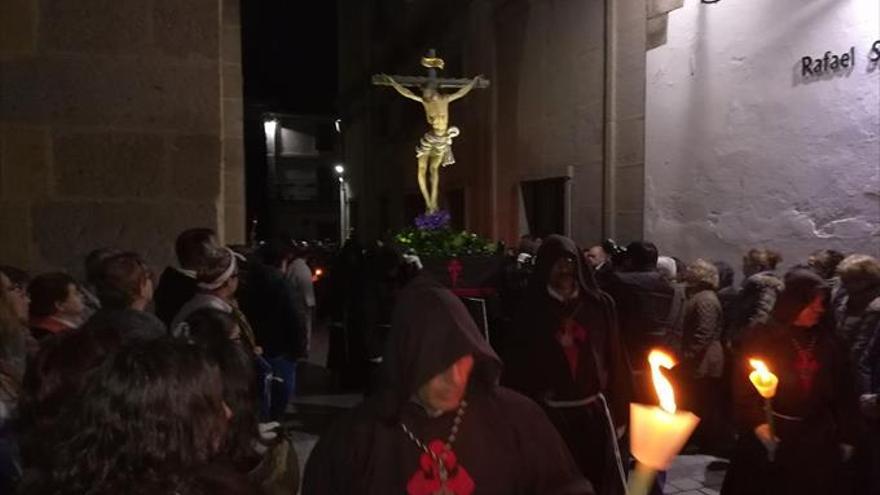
434,145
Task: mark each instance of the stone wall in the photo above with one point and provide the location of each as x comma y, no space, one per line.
743,150
550,87
120,125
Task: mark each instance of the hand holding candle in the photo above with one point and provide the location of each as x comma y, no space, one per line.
765,383
657,433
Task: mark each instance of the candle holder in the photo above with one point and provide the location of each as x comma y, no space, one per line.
766,384
657,434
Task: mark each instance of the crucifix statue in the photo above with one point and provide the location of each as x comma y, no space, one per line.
435,147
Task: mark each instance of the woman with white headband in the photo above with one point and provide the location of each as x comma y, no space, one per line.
216,284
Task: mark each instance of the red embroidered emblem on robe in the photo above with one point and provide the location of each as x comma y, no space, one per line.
806,367
428,480
570,337
454,267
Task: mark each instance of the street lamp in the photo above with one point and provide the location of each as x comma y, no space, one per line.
343,203
269,126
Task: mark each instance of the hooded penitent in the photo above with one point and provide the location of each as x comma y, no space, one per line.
503,444
814,407
568,352
431,330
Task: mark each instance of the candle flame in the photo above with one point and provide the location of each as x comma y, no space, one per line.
759,366
763,380
663,387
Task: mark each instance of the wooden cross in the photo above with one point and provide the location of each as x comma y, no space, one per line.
431,80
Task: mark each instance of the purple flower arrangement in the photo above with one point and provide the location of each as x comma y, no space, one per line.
433,237
433,221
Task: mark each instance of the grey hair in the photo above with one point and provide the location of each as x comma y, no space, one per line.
702,273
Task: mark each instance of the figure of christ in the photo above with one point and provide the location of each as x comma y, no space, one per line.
435,147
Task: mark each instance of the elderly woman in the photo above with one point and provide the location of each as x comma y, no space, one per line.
702,355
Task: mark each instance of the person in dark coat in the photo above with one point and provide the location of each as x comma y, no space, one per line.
441,423
126,290
268,303
649,309
568,357
702,355
178,285
858,325
825,262
600,261
759,291
728,296
815,408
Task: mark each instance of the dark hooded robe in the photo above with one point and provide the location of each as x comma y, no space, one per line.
569,358
815,408
504,445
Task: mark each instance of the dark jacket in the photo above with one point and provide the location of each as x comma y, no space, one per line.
756,301
505,444
729,299
644,301
172,292
859,329
132,325
268,301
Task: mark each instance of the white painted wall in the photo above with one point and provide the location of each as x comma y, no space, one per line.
741,152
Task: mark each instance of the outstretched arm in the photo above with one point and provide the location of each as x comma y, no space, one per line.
465,89
406,93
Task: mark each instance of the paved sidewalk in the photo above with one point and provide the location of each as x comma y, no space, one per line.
689,475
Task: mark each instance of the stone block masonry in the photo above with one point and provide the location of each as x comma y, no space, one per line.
120,125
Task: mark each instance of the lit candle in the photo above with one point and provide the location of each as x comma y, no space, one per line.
763,380
765,383
657,434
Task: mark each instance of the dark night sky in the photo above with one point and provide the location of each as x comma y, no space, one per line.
289,55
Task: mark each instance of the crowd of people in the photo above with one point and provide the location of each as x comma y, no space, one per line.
113,385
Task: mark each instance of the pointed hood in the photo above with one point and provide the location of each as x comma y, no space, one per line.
430,330
552,249
801,287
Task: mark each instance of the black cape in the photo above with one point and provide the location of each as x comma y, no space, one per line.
538,366
816,398
505,443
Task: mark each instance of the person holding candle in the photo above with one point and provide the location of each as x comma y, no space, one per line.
814,410
567,355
